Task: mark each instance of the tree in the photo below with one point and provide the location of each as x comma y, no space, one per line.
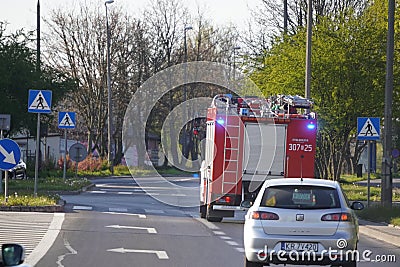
347,82
77,45
18,74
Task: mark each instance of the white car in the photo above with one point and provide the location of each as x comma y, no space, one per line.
301,221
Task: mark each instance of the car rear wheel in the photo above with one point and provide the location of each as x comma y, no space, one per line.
251,263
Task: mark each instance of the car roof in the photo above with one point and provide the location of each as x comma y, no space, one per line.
301,181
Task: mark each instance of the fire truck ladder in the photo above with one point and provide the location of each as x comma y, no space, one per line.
231,173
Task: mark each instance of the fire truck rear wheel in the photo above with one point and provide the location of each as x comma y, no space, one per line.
203,211
210,218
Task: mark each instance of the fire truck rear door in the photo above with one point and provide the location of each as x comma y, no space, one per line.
264,151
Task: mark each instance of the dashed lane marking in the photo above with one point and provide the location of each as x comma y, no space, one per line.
82,208
117,209
142,216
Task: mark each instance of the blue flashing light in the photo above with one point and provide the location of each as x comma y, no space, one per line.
311,126
221,121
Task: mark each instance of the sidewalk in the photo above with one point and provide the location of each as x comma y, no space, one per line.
381,231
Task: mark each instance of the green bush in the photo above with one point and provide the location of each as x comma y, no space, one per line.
16,200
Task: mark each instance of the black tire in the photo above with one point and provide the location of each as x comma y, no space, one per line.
350,264
251,263
203,211
211,218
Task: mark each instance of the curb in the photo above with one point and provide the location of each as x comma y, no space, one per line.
48,208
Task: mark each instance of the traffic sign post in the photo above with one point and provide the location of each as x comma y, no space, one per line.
39,101
77,153
368,129
66,120
10,155
5,121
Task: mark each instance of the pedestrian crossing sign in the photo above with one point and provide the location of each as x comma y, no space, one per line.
39,101
66,120
368,128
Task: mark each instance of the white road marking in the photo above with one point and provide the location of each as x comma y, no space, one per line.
154,211
225,237
47,241
142,216
71,252
209,225
118,210
97,192
232,243
240,249
150,230
219,233
82,208
161,254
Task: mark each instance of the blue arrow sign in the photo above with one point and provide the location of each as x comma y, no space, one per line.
368,128
66,120
39,101
10,154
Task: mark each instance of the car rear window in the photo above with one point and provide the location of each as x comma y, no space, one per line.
300,197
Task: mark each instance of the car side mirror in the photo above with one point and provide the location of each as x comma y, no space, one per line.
245,204
12,254
356,205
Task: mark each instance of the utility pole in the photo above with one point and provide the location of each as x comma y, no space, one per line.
185,140
110,147
37,152
308,50
285,16
386,182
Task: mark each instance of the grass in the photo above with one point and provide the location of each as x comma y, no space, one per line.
375,213
381,214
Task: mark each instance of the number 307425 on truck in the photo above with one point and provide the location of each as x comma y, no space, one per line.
249,140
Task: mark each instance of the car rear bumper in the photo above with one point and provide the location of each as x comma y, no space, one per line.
261,247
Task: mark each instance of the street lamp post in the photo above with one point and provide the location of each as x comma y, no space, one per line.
308,51
110,154
184,146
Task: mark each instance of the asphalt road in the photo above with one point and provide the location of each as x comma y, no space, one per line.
118,224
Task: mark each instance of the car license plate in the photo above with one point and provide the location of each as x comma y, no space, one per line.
299,246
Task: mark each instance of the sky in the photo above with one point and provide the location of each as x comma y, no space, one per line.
22,13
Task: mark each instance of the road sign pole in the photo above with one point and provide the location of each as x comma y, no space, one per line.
65,155
37,154
1,178
6,186
369,173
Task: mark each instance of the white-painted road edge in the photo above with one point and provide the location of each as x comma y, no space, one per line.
47,241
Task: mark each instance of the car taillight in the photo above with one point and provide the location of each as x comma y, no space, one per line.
225,199
343,217
263,215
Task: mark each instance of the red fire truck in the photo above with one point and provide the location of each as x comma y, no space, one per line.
249,140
